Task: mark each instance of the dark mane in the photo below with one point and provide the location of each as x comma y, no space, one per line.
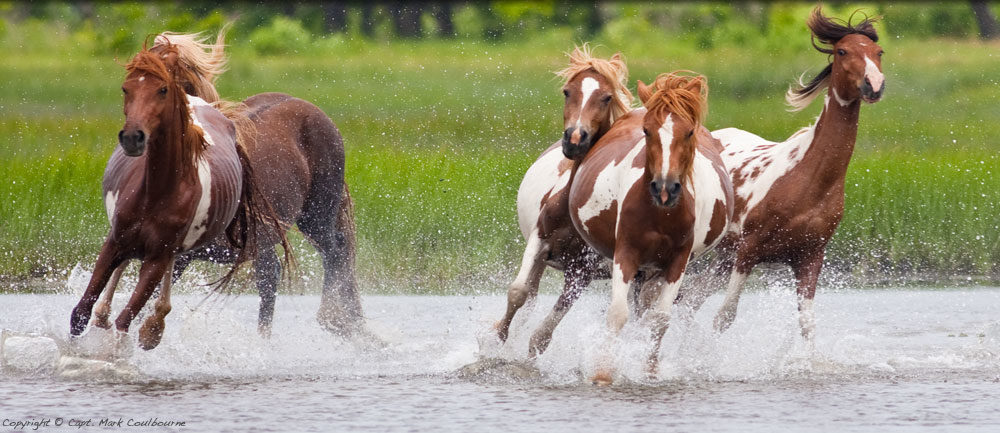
828,31
831,30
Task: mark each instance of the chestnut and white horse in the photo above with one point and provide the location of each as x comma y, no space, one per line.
596,95
651,195
790,195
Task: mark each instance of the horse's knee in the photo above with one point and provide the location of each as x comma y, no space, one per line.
517,294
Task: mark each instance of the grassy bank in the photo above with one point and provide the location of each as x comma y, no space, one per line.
439,133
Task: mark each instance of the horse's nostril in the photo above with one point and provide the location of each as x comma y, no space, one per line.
121,135
675,188
653,186
141,136
583,135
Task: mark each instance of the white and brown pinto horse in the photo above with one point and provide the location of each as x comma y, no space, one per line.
651,195
790,195
177,180
595,96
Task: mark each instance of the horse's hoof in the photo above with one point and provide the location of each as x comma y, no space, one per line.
601,378
150,334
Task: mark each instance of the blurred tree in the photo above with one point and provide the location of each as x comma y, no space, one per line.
443,16
406,19
594,21
334,16
492,24
988,28
368,20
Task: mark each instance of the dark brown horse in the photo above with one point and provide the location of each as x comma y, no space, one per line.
595,96
298,154
790,195
651,195
177,181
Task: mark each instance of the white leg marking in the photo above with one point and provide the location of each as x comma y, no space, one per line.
618,311
807,318
532,255
199,224
727,313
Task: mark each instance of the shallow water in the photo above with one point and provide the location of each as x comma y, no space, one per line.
899,360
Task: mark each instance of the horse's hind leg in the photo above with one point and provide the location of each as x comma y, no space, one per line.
267,271
328,221
576,278
103,309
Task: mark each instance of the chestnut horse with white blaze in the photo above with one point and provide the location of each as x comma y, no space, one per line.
299,156
790,195
177,180
595,96
651,195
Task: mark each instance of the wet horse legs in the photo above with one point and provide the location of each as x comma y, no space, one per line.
525,286
107,261
267,271
151,331
150,274
576,278
103,309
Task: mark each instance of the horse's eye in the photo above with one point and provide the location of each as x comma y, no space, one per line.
880,53
841,52
606,99
566,93
690,133
163,90
645,132
124,91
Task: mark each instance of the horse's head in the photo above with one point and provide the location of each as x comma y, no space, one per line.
202,62
856,69
596,95
154,99
676,105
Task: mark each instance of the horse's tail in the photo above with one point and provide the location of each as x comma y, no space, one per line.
345,225
254,218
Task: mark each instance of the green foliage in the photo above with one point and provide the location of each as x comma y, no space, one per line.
282,36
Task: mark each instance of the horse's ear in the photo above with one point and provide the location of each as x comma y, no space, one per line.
644,91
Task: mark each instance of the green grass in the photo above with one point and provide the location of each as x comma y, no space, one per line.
439,133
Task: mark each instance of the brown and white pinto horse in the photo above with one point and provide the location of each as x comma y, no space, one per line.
595,96
790,195
651,195
299,155
177,180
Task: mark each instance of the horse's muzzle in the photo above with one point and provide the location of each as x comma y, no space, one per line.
576,142
665,193
868,94
132,142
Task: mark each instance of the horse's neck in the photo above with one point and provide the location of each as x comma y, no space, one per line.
833,141
167,170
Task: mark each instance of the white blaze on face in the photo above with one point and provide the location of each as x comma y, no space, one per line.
666,137
588,86
110,201
873,75
199,224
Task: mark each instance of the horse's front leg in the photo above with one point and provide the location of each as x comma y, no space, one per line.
807,274
670,278
623,271
152,328
526,284
103,309
151,273
109,259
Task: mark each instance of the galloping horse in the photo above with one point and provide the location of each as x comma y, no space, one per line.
596,95
651,195
790,195
298,155
177,181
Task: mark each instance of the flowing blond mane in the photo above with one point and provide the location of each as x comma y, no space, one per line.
613,69
685,96
203,62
